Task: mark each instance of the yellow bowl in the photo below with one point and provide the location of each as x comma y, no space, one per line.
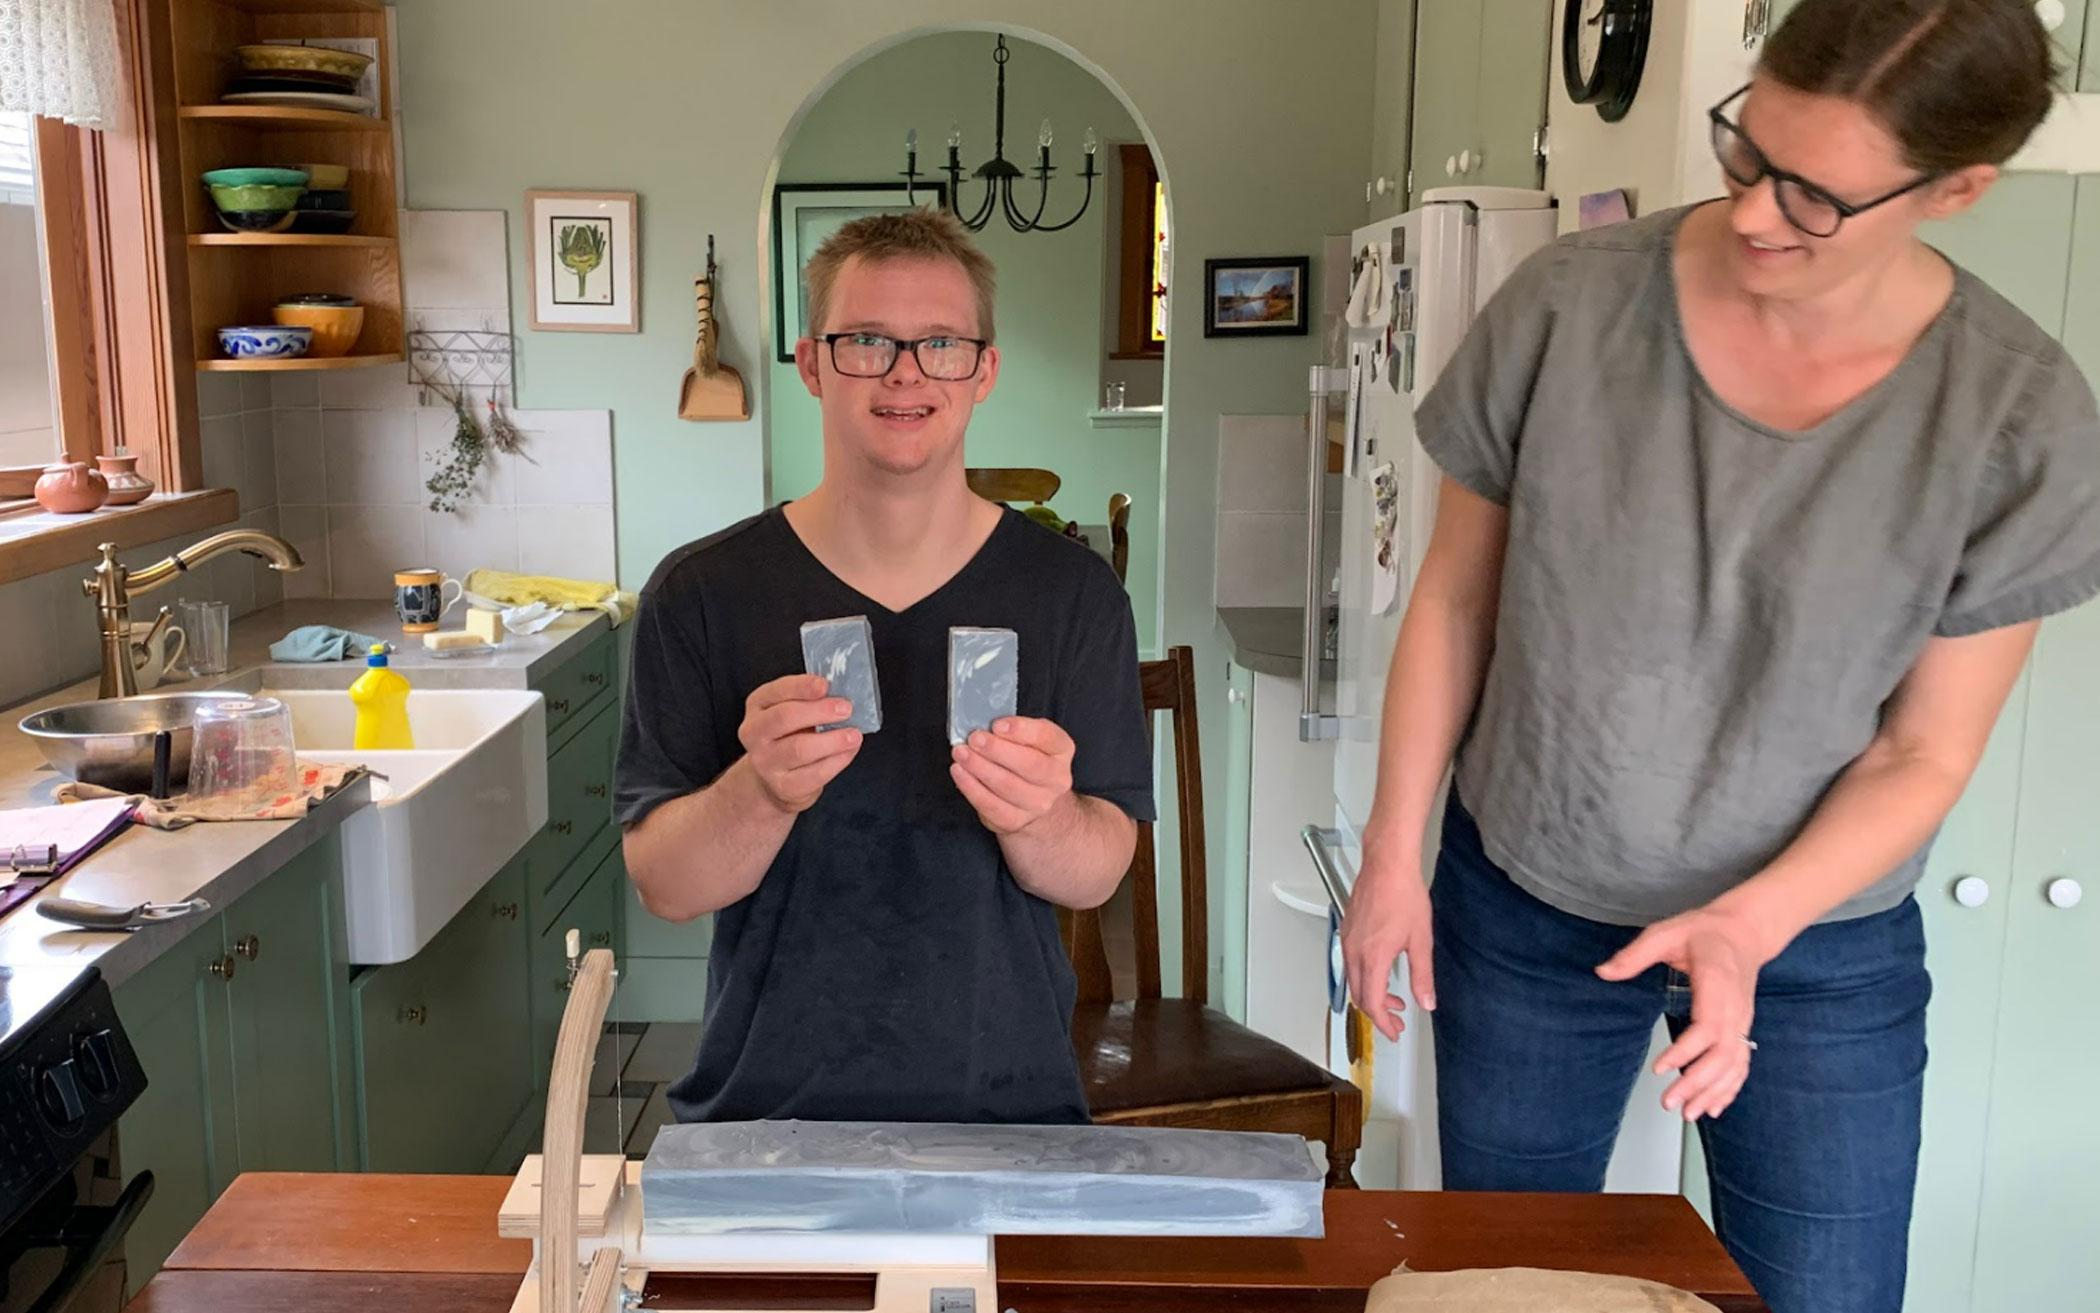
335,326
326,177
302,59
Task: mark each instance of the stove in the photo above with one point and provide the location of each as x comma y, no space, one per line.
66,1074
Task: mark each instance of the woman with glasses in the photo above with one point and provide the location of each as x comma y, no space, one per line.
1751,512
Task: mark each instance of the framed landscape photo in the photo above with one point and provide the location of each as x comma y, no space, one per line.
804,214
1256,297
585,253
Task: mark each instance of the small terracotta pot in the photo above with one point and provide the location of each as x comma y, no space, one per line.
71,488
127,487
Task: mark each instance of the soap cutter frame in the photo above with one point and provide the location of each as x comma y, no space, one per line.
591,1208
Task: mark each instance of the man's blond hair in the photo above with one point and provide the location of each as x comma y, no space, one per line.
920,234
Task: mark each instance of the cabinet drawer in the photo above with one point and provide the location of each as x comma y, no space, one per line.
594,913
443,1046
579,792
576,684
554,885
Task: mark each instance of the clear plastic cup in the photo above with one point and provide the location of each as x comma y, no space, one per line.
207,626
243,752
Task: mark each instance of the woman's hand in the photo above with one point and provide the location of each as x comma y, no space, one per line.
1388,916
1721,951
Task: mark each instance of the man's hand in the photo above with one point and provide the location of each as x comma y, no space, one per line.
1016,774
792,761
1721,951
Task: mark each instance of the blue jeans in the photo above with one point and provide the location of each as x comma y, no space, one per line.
1812,1166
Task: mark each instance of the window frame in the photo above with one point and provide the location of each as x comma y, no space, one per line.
1139,180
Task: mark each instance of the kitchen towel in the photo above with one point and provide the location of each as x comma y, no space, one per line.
321,643
500,588
317,780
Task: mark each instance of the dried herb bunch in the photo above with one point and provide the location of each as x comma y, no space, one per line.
469,451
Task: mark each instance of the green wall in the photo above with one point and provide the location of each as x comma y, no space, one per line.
1051,285
1259,112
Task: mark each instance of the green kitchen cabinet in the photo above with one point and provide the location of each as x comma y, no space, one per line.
238,1028
1231,881
181,1128
594,912
1480,93
444,1038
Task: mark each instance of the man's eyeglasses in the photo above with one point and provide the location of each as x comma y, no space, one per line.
1806,206
946,358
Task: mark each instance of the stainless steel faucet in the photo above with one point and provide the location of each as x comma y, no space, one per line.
113,586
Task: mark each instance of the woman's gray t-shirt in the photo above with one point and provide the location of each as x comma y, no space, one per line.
1701,616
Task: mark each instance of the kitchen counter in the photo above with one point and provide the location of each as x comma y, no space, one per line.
300,1241
219,862
1267,639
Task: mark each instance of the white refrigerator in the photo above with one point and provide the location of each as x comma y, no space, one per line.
1419,280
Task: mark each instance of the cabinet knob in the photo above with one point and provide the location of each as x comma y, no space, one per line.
1466,160
558,706
1972,891
562,827
594,790
248,946
1451,166
602,938
223,968
1234,696
2064,892
413,1016
504,911
596,679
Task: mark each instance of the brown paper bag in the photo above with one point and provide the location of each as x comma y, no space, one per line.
1526,1290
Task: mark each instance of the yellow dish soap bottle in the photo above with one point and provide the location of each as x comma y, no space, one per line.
381,698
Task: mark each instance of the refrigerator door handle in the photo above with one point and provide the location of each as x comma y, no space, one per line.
1320,842
1312,725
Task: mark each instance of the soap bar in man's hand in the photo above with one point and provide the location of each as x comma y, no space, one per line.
984,678
843,652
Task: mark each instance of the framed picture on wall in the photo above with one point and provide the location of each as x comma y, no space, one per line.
585,252
804,214
1255,297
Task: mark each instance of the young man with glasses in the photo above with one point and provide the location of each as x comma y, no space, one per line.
1751,511
886,941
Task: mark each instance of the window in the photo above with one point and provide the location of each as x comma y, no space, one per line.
28,410
1142,278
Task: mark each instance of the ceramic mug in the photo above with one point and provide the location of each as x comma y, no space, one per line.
154,655
419,598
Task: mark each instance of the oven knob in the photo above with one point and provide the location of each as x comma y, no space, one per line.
97,1059
59,1093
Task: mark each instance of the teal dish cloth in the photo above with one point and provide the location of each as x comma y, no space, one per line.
320,643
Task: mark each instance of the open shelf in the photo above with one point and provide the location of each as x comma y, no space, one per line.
284,118
298,362
306,6
287,239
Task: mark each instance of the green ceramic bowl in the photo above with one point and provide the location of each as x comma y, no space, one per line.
255,197
252,177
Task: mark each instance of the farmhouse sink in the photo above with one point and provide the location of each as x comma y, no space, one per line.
445,816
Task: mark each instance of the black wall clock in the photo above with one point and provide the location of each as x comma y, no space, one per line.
1603,44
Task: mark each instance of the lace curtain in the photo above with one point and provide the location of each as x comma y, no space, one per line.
59,58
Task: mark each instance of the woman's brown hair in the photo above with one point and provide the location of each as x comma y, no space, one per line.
1957,82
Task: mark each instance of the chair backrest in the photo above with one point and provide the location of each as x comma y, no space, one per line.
1011,485
1169,686
1119,534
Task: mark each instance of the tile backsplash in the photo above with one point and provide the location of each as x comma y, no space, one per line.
1262,509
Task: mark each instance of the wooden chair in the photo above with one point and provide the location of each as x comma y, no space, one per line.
1013,485
1119,535
1154,1061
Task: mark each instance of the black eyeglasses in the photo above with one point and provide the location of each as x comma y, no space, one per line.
944,358
1806,206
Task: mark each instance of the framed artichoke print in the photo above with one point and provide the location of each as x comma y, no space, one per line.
586,255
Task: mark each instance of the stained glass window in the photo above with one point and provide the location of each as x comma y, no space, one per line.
1159,262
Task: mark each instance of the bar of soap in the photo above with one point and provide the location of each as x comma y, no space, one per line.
984,679
445,640
485,624
719,1178
843,652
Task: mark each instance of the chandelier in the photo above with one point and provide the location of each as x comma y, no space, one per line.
998,173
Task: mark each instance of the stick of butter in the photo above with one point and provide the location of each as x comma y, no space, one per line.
485,624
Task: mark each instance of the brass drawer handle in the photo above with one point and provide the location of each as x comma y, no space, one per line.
562,827
559,706
223,968
248,946
602,938
505,911
595,790
596,679
417,1015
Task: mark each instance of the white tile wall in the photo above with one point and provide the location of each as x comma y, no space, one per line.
366,544
1261,559
575,541
306,528
302,476
370,457
1261,463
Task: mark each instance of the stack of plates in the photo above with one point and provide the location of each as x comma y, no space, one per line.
299,77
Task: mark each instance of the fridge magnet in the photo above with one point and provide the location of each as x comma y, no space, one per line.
1255,297
585,256
1385,546
1601,209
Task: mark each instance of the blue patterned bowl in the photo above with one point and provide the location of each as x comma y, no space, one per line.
266,342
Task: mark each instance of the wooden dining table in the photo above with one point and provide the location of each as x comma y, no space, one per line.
319,1243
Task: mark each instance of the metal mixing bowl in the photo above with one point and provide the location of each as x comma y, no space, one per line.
110,742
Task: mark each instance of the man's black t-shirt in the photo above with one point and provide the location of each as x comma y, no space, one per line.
888,967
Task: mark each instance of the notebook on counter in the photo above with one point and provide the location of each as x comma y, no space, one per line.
40,844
